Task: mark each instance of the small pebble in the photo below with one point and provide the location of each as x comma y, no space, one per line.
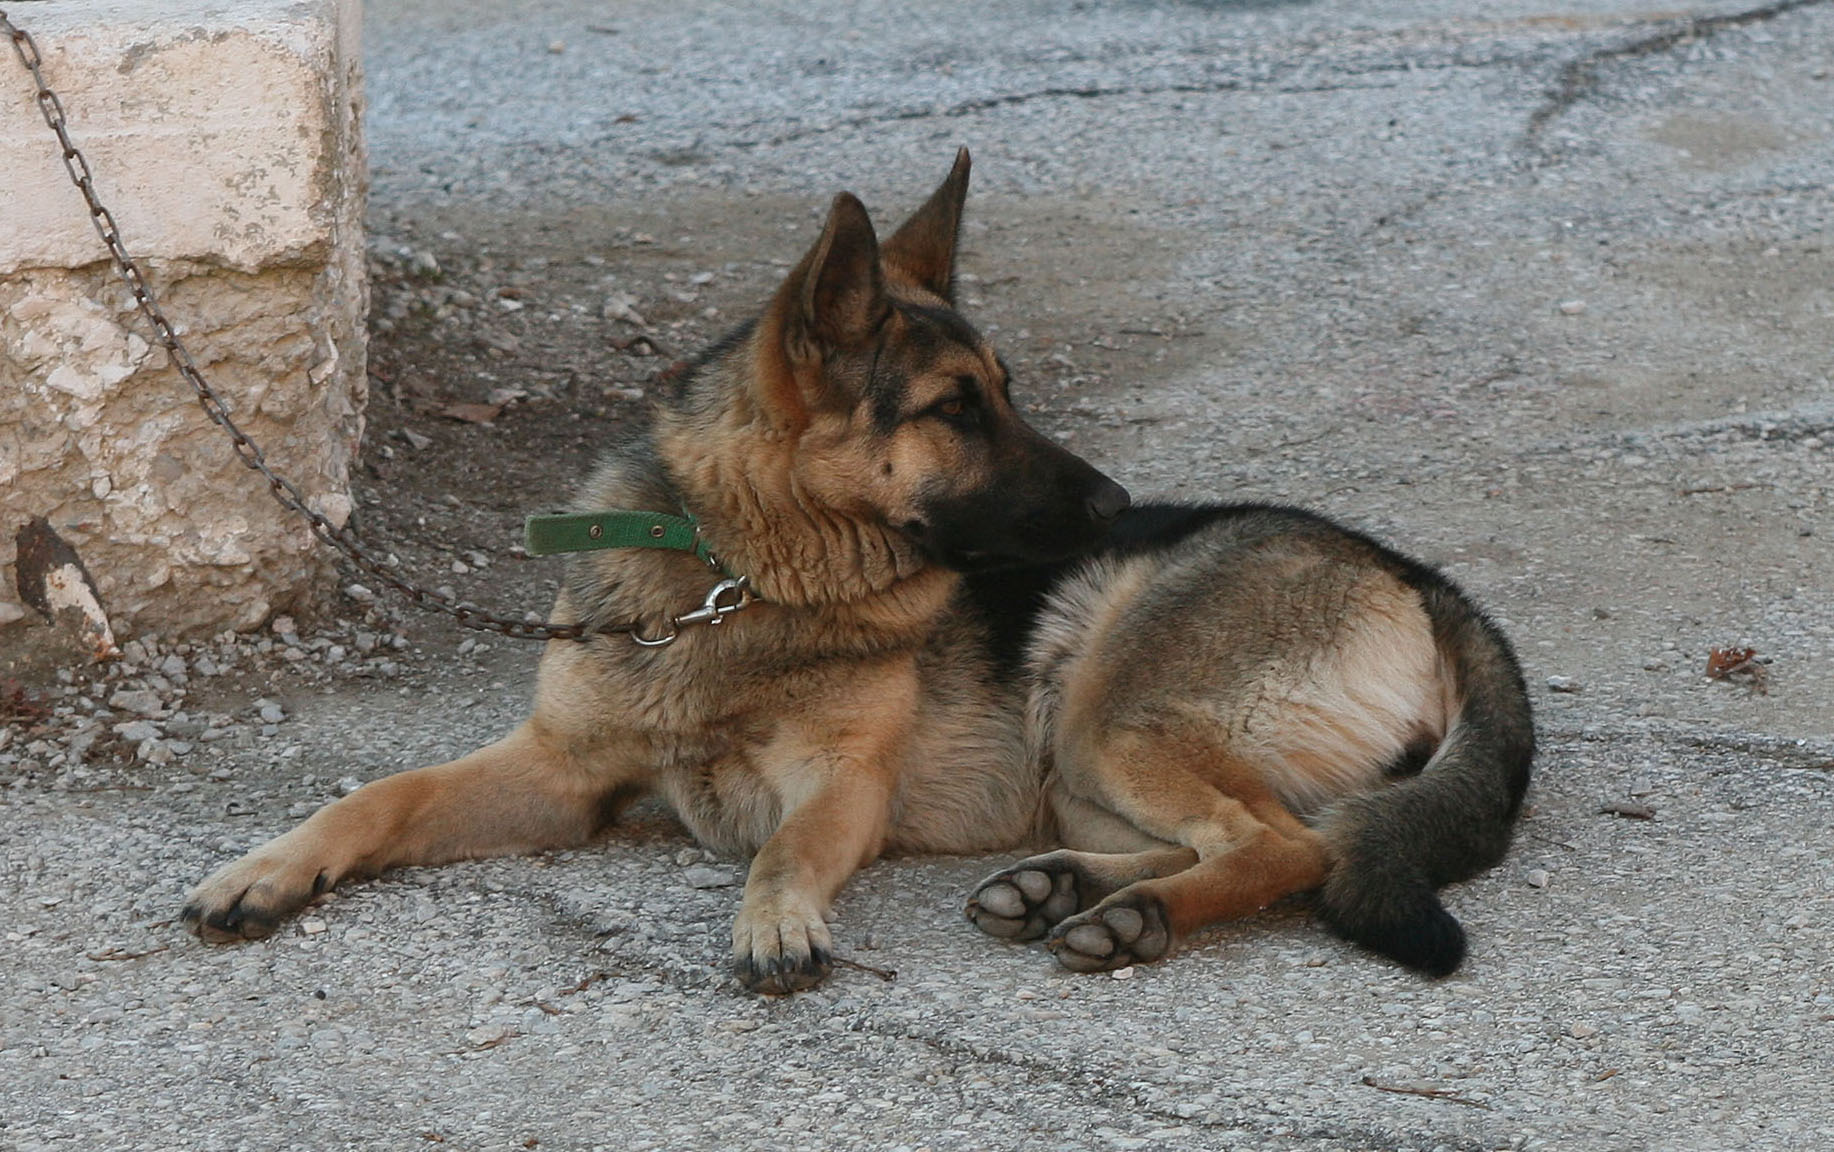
702,876
1562,684
145,701
135,731
1536,877
1126,973
1572,307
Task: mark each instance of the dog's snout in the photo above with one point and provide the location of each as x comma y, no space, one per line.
1108,501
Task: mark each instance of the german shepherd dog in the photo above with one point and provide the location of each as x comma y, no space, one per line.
964,640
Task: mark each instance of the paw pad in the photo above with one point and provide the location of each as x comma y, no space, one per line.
1112,935
1022,903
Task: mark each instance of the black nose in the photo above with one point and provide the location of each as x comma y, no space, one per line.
1108,501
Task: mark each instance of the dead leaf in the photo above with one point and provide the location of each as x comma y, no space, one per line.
18,705
472,413
1740,665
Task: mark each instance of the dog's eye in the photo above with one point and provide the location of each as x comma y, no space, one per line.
957,411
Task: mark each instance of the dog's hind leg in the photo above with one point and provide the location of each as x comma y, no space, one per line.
1250,849
521,794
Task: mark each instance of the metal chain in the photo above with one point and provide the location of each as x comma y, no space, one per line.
289,496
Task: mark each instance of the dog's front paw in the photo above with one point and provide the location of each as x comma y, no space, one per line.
248,899
1127,928
779,947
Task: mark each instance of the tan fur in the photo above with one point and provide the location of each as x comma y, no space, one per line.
1183,711
1315,673
842,714
1189,706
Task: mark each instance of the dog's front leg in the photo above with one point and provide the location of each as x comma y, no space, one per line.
529,792
780,941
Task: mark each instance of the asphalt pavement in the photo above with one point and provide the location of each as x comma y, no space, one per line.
1544,294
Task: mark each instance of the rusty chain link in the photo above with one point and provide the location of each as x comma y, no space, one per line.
289,496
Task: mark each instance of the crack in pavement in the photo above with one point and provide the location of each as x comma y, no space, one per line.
1120,1096
1790,425
1578,78
1266,85
1681,735
1124,1101
1092,92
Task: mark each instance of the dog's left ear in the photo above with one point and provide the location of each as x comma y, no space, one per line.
922,250
831,306
839,290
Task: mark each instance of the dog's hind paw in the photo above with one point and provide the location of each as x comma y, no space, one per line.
1022,902
1122,930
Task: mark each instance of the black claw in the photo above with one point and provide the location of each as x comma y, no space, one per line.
782,975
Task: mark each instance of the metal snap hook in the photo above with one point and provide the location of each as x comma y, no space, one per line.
723,599
662,641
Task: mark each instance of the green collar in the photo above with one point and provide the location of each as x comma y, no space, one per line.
617,528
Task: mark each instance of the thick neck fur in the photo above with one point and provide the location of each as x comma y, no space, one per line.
735,463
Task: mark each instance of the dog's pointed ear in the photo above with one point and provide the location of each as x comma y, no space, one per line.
840,297
834,302
922,250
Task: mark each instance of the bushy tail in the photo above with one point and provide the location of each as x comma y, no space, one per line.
1394,848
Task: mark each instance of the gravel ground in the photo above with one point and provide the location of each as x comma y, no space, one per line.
1542,296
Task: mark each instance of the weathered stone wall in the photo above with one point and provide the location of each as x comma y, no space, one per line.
226,138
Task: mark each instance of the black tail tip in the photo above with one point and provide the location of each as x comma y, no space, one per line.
1426,938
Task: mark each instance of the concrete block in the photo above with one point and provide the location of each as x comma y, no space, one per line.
226,138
